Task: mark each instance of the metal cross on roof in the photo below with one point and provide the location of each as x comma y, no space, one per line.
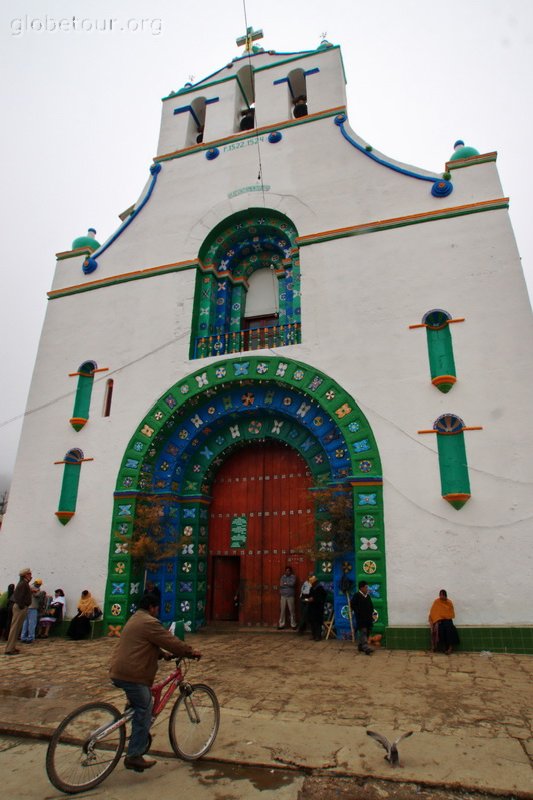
251,36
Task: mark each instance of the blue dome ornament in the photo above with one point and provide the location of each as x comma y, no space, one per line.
213,153
460,150
442,188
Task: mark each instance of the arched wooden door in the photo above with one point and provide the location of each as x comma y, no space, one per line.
261,505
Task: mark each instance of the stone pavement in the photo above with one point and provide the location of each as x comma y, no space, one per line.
289,702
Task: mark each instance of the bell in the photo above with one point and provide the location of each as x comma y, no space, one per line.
300,107
247,121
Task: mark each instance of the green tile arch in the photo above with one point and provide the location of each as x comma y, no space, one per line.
314,384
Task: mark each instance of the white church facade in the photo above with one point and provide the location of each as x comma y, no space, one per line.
283,308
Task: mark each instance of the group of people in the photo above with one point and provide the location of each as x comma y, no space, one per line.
312,602
313,597
28,613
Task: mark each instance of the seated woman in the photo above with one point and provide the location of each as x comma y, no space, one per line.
80,625
54,613
443,631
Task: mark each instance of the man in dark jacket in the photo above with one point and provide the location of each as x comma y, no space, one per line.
143,641
363,609
316,600
21,601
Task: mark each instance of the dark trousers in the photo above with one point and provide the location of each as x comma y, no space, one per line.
316,628
304,616
140,699
362,635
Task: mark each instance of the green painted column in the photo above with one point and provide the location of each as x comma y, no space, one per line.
69,486
455,485
441,361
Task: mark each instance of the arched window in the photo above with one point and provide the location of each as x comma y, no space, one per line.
245,99
69,487
108,397
248,279
195,130
298,92
261,309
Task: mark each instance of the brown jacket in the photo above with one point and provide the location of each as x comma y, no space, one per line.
136,655
22,594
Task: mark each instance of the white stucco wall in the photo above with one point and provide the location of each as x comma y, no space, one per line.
359,295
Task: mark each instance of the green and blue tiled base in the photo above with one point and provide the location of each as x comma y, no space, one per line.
98,630
473,639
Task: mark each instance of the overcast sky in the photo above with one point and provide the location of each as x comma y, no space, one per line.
81,106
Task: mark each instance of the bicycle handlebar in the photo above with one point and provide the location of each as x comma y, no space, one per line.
192,657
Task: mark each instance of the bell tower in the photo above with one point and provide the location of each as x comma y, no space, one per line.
253,91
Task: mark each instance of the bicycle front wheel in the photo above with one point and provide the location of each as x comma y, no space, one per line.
194,722
81,754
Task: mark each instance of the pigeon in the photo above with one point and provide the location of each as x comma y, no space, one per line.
391,747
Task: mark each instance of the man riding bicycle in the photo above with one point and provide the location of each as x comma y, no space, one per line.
143,641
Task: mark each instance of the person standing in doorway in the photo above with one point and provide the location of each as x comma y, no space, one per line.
287,591
21,602
304,606
317,600
363,609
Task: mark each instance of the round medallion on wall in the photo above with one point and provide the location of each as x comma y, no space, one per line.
369,567
442,188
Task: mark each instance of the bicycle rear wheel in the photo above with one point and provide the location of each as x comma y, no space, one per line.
77,759
194,721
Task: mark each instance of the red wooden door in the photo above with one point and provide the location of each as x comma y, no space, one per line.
268,484
226,581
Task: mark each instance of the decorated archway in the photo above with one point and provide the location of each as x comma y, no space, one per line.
179,446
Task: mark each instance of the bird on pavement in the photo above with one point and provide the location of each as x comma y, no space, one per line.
392,756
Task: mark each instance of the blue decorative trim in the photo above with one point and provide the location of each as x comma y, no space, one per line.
275,136
340,119
212,153
442,188
286,80
90,264
184,109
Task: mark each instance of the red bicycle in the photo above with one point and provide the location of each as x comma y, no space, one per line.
87,746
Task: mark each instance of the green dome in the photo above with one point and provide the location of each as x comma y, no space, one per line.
86,241
463,151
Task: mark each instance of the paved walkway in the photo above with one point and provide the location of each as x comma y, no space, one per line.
289,702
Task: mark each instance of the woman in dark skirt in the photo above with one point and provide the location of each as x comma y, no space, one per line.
443,632
80,625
